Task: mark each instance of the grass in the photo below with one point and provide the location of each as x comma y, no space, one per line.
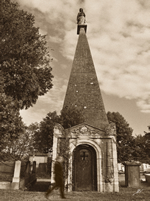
125,194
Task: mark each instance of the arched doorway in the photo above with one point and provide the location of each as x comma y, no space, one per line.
84,168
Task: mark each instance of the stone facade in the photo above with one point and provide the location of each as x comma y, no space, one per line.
106,154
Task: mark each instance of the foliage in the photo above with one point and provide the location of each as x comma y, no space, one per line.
19,148
44,137
140,149
124,136
129,147
71,116
24,59
11,125
25,71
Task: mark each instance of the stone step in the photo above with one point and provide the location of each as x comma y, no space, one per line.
5,185
43,180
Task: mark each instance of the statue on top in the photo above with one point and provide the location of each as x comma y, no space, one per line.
81,17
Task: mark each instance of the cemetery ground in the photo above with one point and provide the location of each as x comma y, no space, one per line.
132,194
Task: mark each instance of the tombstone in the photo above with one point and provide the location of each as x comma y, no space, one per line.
132,174
33,175
30,177
27,173
34,167
16,178
49,161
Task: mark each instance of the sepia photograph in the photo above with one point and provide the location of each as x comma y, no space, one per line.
74,100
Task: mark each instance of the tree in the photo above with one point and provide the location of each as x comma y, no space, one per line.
71,116
25,71
140,149
20,147
124,136
24,59
129,147
11,125
44,137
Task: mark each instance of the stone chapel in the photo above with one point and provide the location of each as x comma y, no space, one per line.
92,144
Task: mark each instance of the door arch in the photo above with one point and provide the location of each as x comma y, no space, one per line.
84,168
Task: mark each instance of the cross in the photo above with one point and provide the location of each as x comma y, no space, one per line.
84,155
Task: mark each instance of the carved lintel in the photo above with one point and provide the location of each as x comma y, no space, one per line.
84,131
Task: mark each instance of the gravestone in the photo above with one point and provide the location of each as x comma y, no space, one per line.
132,174
16,178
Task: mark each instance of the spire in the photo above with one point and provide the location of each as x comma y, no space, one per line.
83,90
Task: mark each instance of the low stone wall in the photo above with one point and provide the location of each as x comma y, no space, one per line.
7,166
6,171
12,169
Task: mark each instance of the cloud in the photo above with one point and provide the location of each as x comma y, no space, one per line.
119,37
145,105
52,101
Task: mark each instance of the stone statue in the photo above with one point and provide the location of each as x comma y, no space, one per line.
81,17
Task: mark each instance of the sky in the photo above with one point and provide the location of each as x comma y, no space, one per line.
118,33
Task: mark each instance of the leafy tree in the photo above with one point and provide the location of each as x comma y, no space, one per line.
44,136
140,149
11,125
147,146
20,147
129,147
24,59
25,71
124,136
71,116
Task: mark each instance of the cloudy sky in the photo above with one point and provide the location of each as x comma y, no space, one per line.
118,33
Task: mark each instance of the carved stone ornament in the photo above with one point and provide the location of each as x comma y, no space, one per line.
83,130
110,129
58,129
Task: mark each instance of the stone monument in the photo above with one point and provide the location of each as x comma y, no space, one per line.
92,144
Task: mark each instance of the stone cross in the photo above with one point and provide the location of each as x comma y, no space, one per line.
84,155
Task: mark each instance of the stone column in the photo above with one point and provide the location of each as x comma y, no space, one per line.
16,178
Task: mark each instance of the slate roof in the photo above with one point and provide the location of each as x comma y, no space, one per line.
83,89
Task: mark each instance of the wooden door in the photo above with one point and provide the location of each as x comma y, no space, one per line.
84,169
